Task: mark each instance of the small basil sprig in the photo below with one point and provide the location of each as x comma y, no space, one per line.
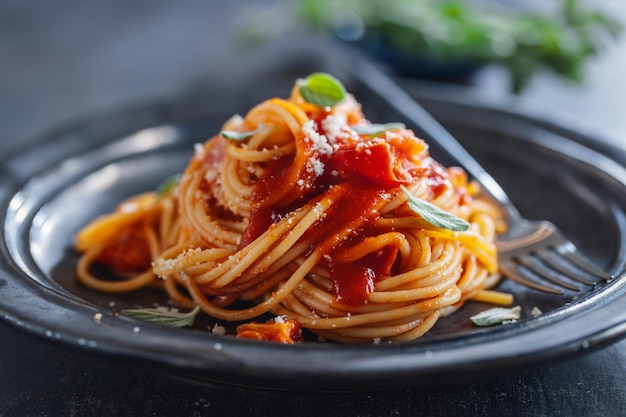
434,215
495,316
377,129
321,89
240,136
163,317
168,185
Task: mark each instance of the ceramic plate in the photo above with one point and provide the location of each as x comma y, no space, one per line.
68,177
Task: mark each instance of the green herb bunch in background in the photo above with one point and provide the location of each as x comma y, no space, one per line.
460,33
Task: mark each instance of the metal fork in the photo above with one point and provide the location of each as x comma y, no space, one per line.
529,251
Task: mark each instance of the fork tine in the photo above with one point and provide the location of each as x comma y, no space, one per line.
510,270
570,252
549,259
544,272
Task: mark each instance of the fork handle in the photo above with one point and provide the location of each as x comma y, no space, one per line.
431,130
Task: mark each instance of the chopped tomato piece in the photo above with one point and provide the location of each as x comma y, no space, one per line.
128,253
370,161
285,331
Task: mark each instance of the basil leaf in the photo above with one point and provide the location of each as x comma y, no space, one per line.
496,315
377,129
434,215
321,89
164,317
240,136
168,185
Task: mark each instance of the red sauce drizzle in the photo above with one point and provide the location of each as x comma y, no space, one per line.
352,282
357,175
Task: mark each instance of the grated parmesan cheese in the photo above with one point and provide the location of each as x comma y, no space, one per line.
166,309
97,317
319,142
167,266
218,330
315,166
198,150
235,119
333,125
213,174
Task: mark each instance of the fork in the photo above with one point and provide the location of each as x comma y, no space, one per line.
530,252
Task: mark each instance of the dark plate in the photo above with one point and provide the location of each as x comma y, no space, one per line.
53,188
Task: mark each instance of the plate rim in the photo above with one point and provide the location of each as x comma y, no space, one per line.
364,371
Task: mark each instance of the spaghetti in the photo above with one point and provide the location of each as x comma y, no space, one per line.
308,212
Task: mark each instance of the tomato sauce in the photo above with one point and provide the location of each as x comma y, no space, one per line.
359,175
353,281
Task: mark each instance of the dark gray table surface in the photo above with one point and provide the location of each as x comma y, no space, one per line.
66,60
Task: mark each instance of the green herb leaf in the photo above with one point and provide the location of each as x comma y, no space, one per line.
321,89
240,136
164,317
496,315
434,215
168,185
377,129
